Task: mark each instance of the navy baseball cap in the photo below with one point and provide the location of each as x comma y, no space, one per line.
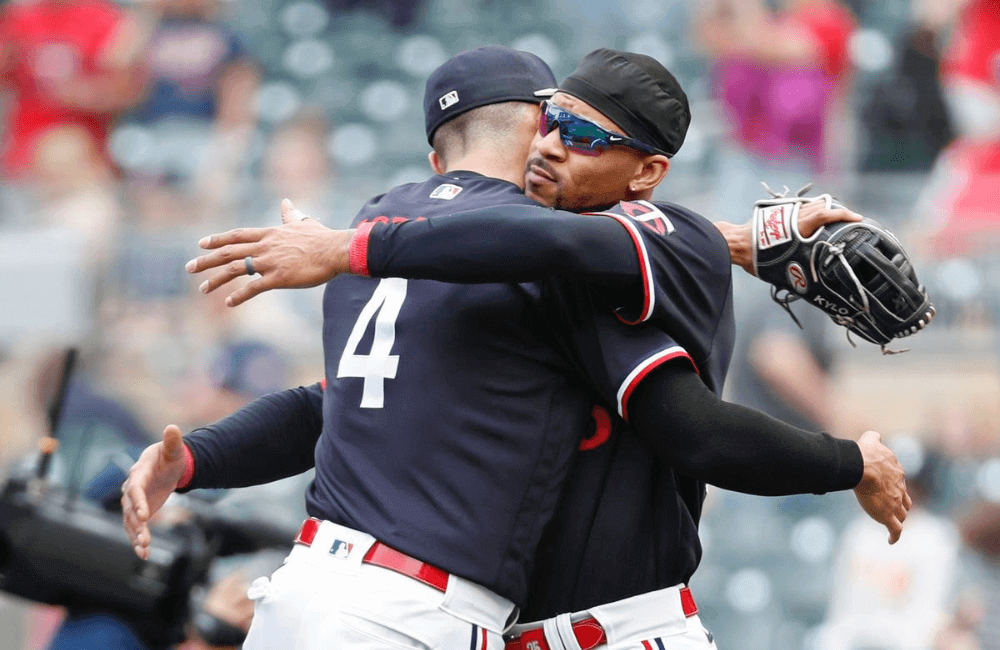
635,92
484,76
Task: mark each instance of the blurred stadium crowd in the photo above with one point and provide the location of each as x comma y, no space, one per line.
132,129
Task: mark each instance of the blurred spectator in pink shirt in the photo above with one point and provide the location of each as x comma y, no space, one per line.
779,79
776,76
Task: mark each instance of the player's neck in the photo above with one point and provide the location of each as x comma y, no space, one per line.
490,164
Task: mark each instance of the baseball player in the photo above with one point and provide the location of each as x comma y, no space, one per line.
563,299
627,526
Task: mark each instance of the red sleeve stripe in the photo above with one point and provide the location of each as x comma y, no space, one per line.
188,468
648,299
358,251
639,373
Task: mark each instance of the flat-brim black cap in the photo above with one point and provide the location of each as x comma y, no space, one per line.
635,92
484,76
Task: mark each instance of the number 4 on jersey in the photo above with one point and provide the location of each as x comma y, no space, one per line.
378,365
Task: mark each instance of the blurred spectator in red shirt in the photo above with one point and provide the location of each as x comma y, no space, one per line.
960,203
971,69
65,62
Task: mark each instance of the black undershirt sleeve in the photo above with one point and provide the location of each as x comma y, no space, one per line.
509,243
271,438
734,447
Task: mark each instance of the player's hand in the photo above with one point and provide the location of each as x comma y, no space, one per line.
812,216
150,481
882,490
298,254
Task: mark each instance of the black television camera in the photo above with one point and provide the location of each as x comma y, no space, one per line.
59,549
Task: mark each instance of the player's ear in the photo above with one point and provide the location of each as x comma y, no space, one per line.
650,174
435,160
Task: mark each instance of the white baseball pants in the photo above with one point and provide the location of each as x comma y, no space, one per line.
653,621
323,597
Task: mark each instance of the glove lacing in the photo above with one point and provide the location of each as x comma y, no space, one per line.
785,300
846,321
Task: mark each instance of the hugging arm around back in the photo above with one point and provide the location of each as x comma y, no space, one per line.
508,243
734,447
718,442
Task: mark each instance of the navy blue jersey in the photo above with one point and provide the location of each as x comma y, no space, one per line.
686,282
626,522
452,412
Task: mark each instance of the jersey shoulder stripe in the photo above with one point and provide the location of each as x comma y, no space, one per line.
628,214
648,298
645,367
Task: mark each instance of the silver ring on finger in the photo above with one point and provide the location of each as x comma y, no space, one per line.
248,263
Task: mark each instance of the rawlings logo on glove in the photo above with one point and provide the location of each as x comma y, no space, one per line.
858,273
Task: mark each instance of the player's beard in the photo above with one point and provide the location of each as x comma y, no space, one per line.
552,190
548,192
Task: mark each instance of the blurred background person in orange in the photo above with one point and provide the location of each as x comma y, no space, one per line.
900,597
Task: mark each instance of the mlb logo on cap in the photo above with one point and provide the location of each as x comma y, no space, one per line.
449,99
341,548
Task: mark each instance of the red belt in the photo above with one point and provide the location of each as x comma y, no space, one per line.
384,556
589,632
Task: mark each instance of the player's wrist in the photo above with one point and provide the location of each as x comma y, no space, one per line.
738,238
339,246
357,250
189,467
874,457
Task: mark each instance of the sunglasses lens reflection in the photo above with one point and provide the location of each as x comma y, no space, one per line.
576,133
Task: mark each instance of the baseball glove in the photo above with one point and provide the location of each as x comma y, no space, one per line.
858,273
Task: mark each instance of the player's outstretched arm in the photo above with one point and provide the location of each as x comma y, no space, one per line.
271,438
519,243
511,243
741,449
812,216
150,481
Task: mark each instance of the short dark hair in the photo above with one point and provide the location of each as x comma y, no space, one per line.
491,125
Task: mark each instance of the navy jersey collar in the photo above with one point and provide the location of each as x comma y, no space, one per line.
459,175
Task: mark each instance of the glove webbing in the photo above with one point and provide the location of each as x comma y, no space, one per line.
844,321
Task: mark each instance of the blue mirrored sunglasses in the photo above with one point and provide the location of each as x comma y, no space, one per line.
583,136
